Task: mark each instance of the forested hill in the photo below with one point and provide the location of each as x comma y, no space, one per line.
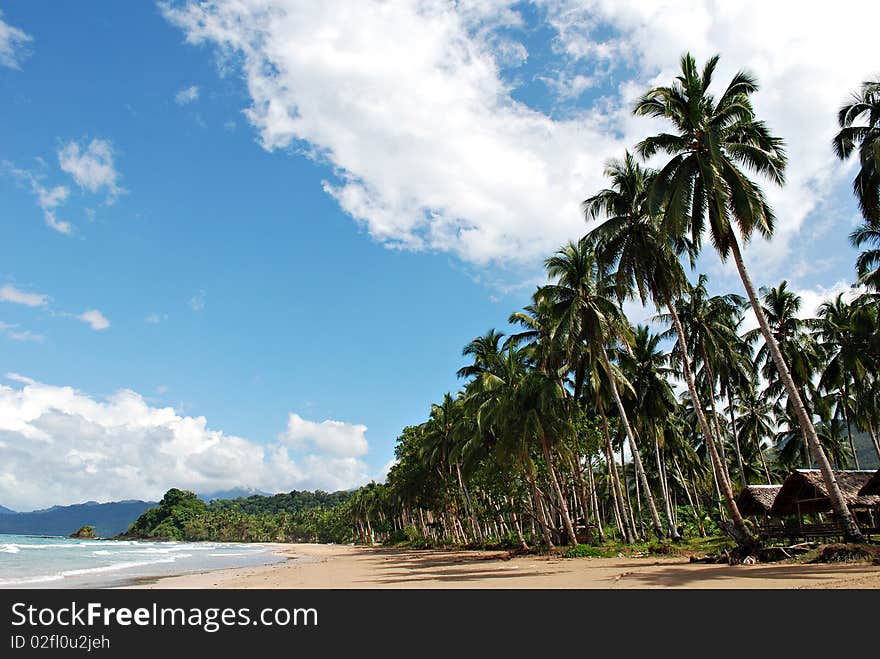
289,502
291,517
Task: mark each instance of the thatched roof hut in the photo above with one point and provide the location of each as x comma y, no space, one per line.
872,486
804,492
757,499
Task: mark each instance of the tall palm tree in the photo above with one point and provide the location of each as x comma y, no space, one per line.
868,261
646,367
704,186
754,421
802,354
587,313
646,261
864,137
845,333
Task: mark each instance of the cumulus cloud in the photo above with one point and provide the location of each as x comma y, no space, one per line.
91,166
187,96
13,45
408,103
59,445
9,293
345,440
96,320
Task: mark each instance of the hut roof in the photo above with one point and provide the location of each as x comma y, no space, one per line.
757,499
872,486
804,489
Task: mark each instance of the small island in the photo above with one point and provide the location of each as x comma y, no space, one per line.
84,533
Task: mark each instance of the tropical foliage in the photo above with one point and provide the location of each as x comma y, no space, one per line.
578,426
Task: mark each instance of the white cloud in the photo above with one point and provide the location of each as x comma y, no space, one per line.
96,320
48,198
91,167
61,446
406,101
811,299
9,293
13,45
345,440
197,301
155,318
10,330
187,96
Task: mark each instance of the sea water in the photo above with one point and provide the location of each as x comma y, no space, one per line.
28,561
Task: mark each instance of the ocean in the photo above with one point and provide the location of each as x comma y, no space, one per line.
28,561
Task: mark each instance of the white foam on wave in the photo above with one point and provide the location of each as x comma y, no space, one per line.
9,549
125,565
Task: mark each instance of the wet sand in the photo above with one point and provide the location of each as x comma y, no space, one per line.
343,566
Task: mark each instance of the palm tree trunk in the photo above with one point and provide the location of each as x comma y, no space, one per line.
519,534
594,501
538,505
721,453
563,504
664,489
739,457
851,532
633,447
466,500
852,446
873,434
739,531
619,504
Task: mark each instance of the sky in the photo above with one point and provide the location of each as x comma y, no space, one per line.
244,241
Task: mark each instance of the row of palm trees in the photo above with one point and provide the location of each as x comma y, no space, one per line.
533,448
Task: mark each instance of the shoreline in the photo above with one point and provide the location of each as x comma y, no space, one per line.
358,567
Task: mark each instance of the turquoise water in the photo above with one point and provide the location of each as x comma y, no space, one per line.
28,561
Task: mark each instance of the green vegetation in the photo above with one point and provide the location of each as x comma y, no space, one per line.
291,517
569,431
84,533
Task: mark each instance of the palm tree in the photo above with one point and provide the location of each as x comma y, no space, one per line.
704,183
798,347
646,261
585,312
866,138
646,367
868,262
754,420
844,332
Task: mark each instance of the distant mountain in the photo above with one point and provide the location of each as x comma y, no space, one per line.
108,518
866,451
6,511
234,493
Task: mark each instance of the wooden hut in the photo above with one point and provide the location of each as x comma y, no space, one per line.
756,500
872,487
804,492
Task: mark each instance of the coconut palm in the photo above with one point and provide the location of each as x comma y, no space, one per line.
630,239
653,402
860,130
704,186
586,313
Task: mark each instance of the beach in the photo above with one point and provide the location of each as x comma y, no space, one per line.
345,567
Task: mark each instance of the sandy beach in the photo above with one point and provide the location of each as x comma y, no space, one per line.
343,566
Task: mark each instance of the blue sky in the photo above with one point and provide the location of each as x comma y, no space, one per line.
243,219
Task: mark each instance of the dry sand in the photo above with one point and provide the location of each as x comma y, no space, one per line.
343,566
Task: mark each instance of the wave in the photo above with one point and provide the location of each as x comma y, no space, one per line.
125,565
